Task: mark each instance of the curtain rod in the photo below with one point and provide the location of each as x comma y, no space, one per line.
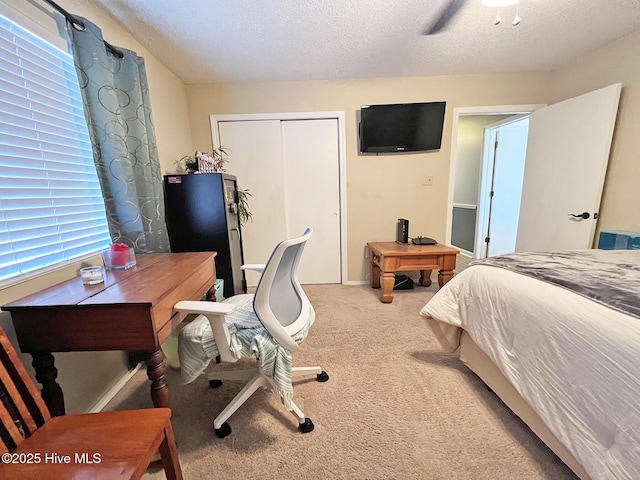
79,25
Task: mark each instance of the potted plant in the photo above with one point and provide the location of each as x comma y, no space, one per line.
203,162
243,205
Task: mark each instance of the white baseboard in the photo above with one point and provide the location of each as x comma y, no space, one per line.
356,282
109,394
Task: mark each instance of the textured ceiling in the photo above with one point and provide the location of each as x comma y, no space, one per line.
275,40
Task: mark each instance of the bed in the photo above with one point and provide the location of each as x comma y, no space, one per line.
557,337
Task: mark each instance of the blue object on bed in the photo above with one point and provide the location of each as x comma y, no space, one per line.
619,240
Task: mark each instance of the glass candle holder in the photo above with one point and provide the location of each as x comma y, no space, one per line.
118,257
92,275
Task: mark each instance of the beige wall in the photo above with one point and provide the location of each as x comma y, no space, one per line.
85,377
617,62
380,189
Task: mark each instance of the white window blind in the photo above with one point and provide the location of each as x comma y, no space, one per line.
51,206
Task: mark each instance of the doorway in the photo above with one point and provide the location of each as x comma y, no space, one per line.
504,153
473,173
567,151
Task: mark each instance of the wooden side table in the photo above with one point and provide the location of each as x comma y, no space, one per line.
386,258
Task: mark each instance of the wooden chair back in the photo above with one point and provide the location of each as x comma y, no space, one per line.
126,440
22,410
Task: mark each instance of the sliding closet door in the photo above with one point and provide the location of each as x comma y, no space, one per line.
255,158
291,168
311,179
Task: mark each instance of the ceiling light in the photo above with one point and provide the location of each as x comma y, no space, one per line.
498,3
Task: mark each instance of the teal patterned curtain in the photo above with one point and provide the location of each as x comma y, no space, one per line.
118,112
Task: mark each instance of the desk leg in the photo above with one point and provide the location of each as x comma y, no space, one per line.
425,278
155,371
159,390
46,374
388,281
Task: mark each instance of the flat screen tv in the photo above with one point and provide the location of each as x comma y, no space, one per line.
401,127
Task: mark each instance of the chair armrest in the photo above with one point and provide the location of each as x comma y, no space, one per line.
257,267
215,313
196,306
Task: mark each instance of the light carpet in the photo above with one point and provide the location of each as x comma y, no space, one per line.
395,407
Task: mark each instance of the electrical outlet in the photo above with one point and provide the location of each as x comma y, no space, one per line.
427,180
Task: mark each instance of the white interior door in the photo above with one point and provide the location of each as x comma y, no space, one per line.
255,158
291,168
567,156
311,179
509,139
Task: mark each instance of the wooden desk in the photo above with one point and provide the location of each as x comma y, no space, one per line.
131,310
386,258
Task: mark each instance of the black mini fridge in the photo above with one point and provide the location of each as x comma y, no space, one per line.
202,216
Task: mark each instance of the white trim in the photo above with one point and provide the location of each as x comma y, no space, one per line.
356,282
465,205
113,391
462,111
486,170
342,159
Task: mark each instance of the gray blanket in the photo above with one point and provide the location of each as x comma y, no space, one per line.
610,277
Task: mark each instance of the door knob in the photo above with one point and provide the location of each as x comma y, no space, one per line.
583,215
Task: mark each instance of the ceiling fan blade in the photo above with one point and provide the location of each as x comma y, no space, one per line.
444,17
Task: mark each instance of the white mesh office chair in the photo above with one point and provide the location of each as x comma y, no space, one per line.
283,309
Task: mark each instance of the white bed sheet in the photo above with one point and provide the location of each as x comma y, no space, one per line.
576,362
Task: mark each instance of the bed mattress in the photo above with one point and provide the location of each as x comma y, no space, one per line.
574,361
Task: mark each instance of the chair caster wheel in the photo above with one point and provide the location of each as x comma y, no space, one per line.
225,430
322,376
306,426
215,383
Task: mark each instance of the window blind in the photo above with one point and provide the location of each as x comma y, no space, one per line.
51,206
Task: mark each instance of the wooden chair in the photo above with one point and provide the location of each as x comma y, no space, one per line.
105,445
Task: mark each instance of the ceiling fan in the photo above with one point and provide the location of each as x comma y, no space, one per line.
444,16
451,8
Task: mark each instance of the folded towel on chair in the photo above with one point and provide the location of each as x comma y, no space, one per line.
197,347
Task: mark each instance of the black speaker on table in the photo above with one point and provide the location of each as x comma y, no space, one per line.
402,232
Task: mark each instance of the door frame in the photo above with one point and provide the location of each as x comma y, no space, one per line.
463,111
342,163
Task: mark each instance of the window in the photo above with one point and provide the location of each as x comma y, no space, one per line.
51,206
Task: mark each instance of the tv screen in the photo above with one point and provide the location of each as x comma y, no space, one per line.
401,127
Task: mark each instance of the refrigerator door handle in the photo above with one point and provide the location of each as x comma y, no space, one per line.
237,233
